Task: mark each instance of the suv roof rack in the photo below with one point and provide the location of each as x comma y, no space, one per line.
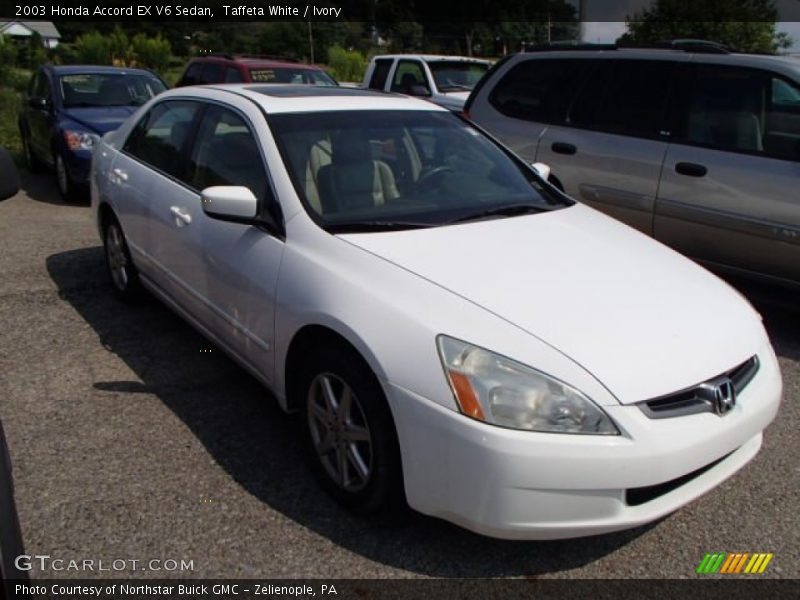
683,45
228,56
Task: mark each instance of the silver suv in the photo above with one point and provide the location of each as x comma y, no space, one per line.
695,146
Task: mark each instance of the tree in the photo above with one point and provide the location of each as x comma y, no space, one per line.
93,48
151,52
8,56
745,25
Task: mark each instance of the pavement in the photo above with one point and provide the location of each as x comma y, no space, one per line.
132,438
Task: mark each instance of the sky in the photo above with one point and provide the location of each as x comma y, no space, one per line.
605,32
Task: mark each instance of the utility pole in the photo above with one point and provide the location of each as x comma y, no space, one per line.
311,41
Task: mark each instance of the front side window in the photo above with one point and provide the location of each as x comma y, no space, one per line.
158,139
212,73
225,152
192,75
744,110
456,76
409,74
402,169
83,90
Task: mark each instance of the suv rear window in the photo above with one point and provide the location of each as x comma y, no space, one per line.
538,90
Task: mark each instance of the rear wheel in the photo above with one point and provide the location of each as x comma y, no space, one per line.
349,430
123,273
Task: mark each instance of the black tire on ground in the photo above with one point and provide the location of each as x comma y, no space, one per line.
354,452
123,273
66,187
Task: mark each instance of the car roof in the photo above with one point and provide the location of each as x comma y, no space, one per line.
87,69
780,63
277,98
252,61
435,57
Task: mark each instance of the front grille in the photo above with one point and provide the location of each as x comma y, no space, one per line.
640,495
698,399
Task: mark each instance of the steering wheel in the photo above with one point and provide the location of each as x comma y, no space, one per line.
427,176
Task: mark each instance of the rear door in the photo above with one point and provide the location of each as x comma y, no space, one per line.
147,177
729,192
609,150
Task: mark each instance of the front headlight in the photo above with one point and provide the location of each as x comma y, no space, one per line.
80,140
495,389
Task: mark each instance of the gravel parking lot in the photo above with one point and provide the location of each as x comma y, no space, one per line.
133,438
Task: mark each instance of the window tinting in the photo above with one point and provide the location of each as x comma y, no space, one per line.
744,110
192,75
538,90
380,73
624,96
226,153
212,73
159,137
232,75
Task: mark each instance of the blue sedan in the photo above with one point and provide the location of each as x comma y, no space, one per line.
68,108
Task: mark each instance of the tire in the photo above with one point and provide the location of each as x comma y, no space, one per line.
66,187
123,273
354,453
34,164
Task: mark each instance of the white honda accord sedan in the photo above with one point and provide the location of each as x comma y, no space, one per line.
453,330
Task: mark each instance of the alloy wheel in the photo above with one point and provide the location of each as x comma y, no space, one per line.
340,432
115,255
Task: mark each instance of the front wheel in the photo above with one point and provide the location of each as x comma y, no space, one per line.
123,273
350,431
66,187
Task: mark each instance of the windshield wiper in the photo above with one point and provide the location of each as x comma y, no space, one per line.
506,210
367,226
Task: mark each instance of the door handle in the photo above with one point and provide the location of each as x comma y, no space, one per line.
563,148
120,173
690,169
182,218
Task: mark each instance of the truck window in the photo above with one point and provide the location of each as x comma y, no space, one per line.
380,73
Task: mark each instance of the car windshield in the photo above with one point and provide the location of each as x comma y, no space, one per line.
451,76
402,169
289,75
107,89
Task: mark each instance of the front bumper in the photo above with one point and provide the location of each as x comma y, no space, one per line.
78,164
526,485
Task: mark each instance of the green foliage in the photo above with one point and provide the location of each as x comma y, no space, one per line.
346,65
93,48
745,25
9,129
8,56
151,52
120,48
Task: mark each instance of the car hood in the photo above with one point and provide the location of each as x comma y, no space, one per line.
452,100
100,119
641,318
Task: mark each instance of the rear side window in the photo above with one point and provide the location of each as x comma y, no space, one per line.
538,90
624,96
158,139
380,73
192,75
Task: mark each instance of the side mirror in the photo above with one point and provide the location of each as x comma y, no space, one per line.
419,90
9,176
38,103
230,203
542,169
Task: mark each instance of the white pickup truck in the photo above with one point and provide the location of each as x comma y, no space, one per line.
445,80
